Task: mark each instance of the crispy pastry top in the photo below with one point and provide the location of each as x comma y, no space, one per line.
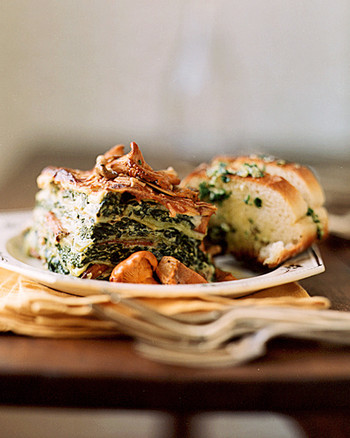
116,172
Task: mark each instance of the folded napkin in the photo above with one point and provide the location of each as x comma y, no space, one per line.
29,308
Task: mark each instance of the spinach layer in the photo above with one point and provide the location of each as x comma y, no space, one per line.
111,230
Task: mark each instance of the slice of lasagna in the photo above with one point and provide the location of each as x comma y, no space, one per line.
86,222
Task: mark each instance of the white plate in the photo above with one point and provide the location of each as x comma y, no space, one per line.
13,258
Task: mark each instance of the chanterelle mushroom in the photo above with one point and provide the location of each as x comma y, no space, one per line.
221,275
172,271
138,268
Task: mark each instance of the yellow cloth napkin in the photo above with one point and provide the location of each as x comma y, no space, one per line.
29,308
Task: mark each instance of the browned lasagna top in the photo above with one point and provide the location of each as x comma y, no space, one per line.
118,172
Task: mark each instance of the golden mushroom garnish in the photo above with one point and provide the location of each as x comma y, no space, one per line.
138,268
172,271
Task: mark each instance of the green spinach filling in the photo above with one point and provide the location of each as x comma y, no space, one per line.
109,230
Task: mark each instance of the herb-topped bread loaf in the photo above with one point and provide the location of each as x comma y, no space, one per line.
267,210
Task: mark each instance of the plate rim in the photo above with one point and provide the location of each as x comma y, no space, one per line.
15,222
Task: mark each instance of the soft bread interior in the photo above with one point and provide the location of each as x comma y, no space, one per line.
256,228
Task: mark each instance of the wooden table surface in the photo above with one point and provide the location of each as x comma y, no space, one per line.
309,381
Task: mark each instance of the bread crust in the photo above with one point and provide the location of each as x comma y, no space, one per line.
290,194
300,176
